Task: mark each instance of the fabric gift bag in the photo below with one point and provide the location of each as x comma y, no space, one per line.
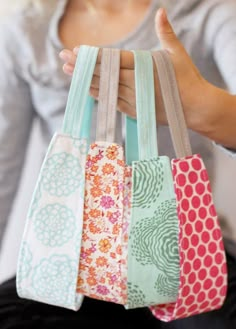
203,268
153,256
103,251
48,260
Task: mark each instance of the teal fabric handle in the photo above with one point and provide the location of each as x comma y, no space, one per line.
131,140
77,118
87,121
145,125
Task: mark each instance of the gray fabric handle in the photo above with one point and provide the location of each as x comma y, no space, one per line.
108,95
172,103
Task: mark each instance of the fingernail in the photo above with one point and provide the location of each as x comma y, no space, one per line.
67,69
162,13
76,50
64,55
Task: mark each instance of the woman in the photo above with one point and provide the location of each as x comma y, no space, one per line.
33,75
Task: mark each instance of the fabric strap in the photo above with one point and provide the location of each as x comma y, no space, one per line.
131,140
87,121
145,108
172,104
108,94
78,109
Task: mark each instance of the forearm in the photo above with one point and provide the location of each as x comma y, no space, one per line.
218,116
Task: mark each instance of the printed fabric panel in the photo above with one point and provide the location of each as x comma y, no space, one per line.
153,254
49,255
103,262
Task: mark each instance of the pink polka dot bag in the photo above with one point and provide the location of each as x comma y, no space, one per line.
203,269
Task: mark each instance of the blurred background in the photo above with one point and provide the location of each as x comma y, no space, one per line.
14,231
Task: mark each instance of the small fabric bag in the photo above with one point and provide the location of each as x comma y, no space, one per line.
103,253
153,256
203,269
49,256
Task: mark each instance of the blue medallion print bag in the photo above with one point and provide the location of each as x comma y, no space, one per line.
49,255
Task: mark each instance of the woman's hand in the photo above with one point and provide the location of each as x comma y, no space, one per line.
126,95
197,95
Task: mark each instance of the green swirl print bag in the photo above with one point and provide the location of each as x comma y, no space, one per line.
50,250
153,256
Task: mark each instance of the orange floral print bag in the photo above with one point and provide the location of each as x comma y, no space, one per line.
103,258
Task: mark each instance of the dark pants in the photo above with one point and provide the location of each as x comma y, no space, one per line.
17,313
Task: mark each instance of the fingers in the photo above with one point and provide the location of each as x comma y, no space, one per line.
126,77
126,108
165,32
69,58
126,58
68,69
125,94
126,63
172,44
126,99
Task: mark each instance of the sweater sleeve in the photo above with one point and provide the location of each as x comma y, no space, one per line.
16,116
221,33
223,27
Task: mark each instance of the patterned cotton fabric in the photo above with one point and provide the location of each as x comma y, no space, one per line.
48,261
103,261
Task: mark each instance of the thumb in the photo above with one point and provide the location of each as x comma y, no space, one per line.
165,32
